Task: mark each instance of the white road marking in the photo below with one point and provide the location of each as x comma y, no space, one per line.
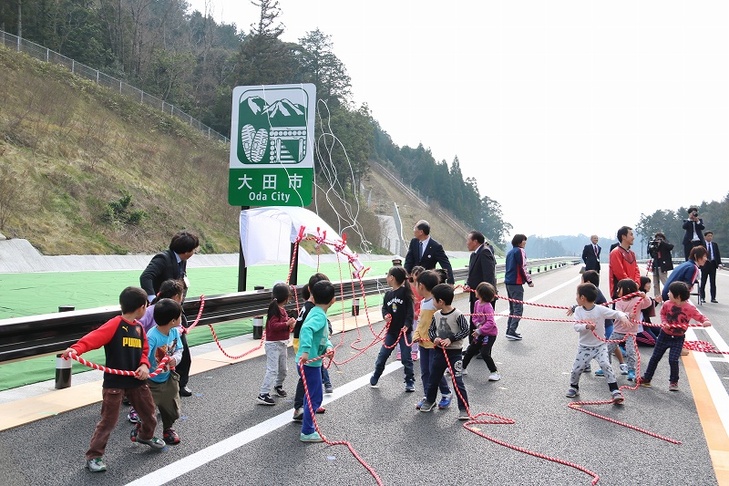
716,388
209,454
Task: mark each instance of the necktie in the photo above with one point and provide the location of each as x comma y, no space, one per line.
594,247
422,249
179,266
711,253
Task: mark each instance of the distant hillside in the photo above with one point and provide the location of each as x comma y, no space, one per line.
383,194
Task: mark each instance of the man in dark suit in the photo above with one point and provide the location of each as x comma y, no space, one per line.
708,271
481,268
426,252
591,255
172,264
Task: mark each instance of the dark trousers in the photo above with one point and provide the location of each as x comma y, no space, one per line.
665,342
516,306
299,395
708,272
141,399
405,356
482,345
426,363
437,370
688,246
183,367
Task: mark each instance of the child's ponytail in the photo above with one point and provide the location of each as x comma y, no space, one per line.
281,294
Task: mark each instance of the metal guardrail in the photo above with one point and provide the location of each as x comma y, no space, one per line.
24,337
37,51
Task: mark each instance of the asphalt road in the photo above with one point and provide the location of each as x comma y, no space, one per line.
227,438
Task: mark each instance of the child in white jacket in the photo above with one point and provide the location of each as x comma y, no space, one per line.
590,324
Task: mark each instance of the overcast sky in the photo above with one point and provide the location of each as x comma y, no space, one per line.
576,116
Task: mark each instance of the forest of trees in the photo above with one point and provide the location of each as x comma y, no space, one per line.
191,61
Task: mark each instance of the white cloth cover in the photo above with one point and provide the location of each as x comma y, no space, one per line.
266,235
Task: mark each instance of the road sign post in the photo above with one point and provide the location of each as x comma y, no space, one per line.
271,150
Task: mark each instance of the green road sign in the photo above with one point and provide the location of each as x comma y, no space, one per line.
272,145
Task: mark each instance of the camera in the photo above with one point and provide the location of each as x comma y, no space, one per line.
694,214
653,245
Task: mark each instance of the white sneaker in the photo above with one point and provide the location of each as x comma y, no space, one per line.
623,369
495,376
464,372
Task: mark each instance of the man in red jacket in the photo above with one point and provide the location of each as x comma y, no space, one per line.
623,262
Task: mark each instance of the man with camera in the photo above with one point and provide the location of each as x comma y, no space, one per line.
694,228
660,251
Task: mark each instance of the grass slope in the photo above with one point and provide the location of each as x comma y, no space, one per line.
72,151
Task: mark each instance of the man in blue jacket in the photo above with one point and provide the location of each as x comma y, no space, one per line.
514,279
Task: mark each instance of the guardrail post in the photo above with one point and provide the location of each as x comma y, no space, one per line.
63,366
258,327
63,372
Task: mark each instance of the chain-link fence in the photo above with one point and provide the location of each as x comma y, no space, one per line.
32,49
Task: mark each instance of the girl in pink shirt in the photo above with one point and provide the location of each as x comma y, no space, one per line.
626,330
486,330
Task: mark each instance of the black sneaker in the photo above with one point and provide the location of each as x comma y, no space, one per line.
265,399
279,391
185,391
298,414
513,336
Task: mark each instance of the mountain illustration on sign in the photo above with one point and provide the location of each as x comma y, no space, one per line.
271,133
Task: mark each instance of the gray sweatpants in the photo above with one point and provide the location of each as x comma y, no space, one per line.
276,367
585,354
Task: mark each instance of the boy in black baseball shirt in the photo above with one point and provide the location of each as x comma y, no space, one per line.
125,345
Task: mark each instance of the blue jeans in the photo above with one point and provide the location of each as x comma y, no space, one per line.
325,376
406,358
426,362
312,374
455,357
516,309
